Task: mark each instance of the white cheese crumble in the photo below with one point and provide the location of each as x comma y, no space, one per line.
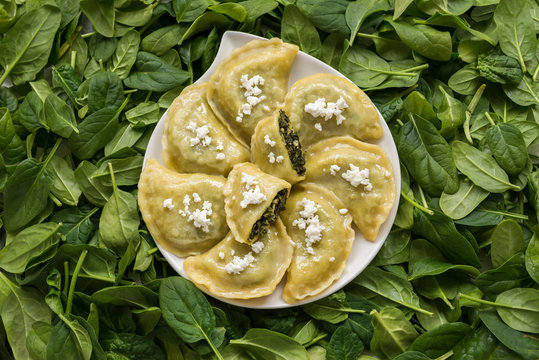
221,255
267,140
334,168
332,259
202,109
220,156
167,203
219,146
232,252
343,211
310,222
238,264
201,134
272,158
320,108
200,217
252,196
252,94
248,180
383,170
358,177
318,127
279,159
266,108
257,246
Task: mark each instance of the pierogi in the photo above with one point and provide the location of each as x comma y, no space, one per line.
276,150
251,84
232,269
194,140
185,213
360,174
321,106
321,228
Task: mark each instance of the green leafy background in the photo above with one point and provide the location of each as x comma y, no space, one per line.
457,83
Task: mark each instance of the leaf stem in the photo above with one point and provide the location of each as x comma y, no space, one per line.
422,194
212,346
84,36
66,277
416,204
315,340
73,59
73,282
152,251
65,46
485,302
55,200
29,144
487,115
52,152
534,77
148,96
470,110
447,355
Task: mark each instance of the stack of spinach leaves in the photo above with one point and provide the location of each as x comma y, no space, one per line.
457,82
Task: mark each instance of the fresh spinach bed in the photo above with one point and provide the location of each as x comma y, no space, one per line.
457,82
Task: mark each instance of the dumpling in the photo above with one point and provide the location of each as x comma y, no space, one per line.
321,106
276,150
360,174
194,140
185,213
253,201
320,226
232,269
251,84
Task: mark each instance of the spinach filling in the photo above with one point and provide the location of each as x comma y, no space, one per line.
270,215
292,143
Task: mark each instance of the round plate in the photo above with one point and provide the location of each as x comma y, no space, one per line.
363,251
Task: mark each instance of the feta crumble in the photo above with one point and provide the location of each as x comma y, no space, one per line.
167,203
318,127
238,264
332,259
200,217
201,134
333,169
220,156
358,177
252,94
320,108
310,222
257,246
196,197
202,109
279,159
267,140
219,146
252,196
343,211
248,180
221,255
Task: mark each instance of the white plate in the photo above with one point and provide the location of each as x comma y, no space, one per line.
363,251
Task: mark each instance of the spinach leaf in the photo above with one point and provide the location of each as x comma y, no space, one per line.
163,39
99,264
152,73
396,248
69,339
25,48
451,112
358,11
516,30
519,308
393,333
441,340
189,10
30,113
464,201
232,10
64,186
480,168
331,309
507,239
93,190
37,340
427,156
101,14
125,55
507,276
524,93
298,29
266,344
524,345
132,346
507,145
59,116
129,295
105,90
326,16
344,345
532,258
77,226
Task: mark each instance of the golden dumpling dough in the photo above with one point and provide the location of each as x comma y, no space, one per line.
232,269
185,213
320,226
275,155
321,106
251,84
253,201
194,140
360,174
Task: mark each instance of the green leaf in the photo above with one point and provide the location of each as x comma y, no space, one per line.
480,168
393,333
452,114
516,30
507,239
532,258
25,48
186,310
427,156
524,345
465,81
125,55
126,137
344,345
129,295
105,90
396,248
69,339
297,29
519,308
99,264
507,145
425,40
152,73
358,11
266,344
59,116
464,201
363,67
64,186
524,93
328,17
436,342
507,276
26,193
97,193
101,14
189,10
163,39
233,10
329,309
77,226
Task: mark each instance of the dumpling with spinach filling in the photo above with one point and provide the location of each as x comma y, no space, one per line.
275,148
253,201
185,213
251,84
321,228
321,106
194,140
232,269
359,174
